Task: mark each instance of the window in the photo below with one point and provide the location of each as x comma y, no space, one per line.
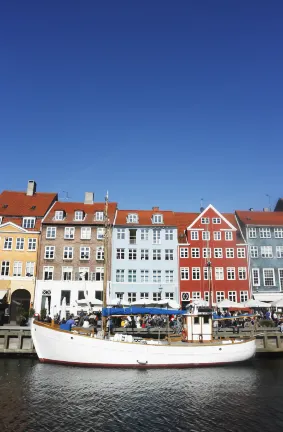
31,244
156,236
99,216
59,215
132,296
219,273
169,254
69,233
241,252
243,296
242,273
132,275
67,295
195,253
48,273
169,234
156,296
169,276
79,215
228,235
252,233
133,236
119,295
132,254
205,220
86,233
194,235
185,296
205,235
255,277
279,251
216,220
144,296
278,232
144,276
219,296
206,273
156,254
120,253
231,274
120,275
157,219
85,253
266,251
51,232
218,253
67,273
264,233
206,296
49,252
8,243
254,251
132,218
216,235
28,222
156,276
232,296
83,273
206,253
99,273
144,234
121,234
144,254
100,253
68,253
280,274
169,296
196,273
5,268
30,268
229,253
17,268
20,243
268,277
196,295
184,273
184,252
81,295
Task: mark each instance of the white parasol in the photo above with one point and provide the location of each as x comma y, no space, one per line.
229,304
63,309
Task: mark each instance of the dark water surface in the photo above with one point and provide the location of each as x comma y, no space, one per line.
39,397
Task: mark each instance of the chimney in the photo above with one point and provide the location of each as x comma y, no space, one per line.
31,189
155,208
251,209
89,197
265,209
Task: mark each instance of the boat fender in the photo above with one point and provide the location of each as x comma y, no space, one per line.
200,338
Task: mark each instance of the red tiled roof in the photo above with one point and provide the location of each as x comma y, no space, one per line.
20,204
145,217
260,218
89,209
183,220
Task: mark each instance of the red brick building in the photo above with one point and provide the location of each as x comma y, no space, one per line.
211,240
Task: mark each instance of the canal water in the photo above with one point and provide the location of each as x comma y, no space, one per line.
36,397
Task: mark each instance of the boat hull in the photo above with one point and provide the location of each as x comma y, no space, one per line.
61,347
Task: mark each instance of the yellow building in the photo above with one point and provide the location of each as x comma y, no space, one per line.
20,225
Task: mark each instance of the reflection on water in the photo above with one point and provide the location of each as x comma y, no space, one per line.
37,397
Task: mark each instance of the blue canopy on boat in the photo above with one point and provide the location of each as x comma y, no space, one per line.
141,310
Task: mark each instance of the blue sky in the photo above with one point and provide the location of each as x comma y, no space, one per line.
160,102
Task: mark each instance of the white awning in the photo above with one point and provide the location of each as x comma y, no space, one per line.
2,294
267,297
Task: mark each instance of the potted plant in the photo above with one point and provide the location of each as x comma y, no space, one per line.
43,313
31,315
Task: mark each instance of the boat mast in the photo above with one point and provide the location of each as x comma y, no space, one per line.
208,264
105,279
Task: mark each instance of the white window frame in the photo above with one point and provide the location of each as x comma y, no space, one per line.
69,233
132,275
206,296
206,271
169,234
232,296
255,277
278,232
266,252
59,215
144,233
206,235
169,296
184,252
216,220
49,270
196,273
241,252
144,276
28,222
264,277
120,275
169,276
100,233
205,220
20,241
17,268
169,254
156,236
32,244
49,252
280,278
184,273
121,233
228,235
194,235
252,233
51,232
156,276
79,215
156,254
254,251
218,253
69,270
231,271
120,253
86,233
99,216
133,254
99,253
220,296
5,268
217,235
145,254
206,253
132,297
219,273
195,253
279,251
196,295
244,296
84,253
157,219
69,251
144,295
230,253
132,218
264,233
242,273
8,243
30,267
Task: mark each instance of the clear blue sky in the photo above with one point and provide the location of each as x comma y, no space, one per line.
160,102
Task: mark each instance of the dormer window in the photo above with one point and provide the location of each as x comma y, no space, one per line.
99,216
59,215
157,219
28,222
132,218
205,220
79,215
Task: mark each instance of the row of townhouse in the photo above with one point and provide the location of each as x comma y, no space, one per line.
51,250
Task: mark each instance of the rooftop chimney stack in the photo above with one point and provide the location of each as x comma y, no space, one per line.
251,209
89,197
265,209
155,208
31,189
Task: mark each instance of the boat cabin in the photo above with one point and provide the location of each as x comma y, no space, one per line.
198,325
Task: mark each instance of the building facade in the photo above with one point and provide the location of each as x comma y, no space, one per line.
212,258
144,256
263,232
71,258
21,214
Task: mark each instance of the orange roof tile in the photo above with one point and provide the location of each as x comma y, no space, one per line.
145,217
260,218
20,204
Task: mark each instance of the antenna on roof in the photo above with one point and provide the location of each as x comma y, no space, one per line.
269,201
201,205
66,196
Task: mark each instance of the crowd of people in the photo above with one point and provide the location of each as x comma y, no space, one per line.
237,319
